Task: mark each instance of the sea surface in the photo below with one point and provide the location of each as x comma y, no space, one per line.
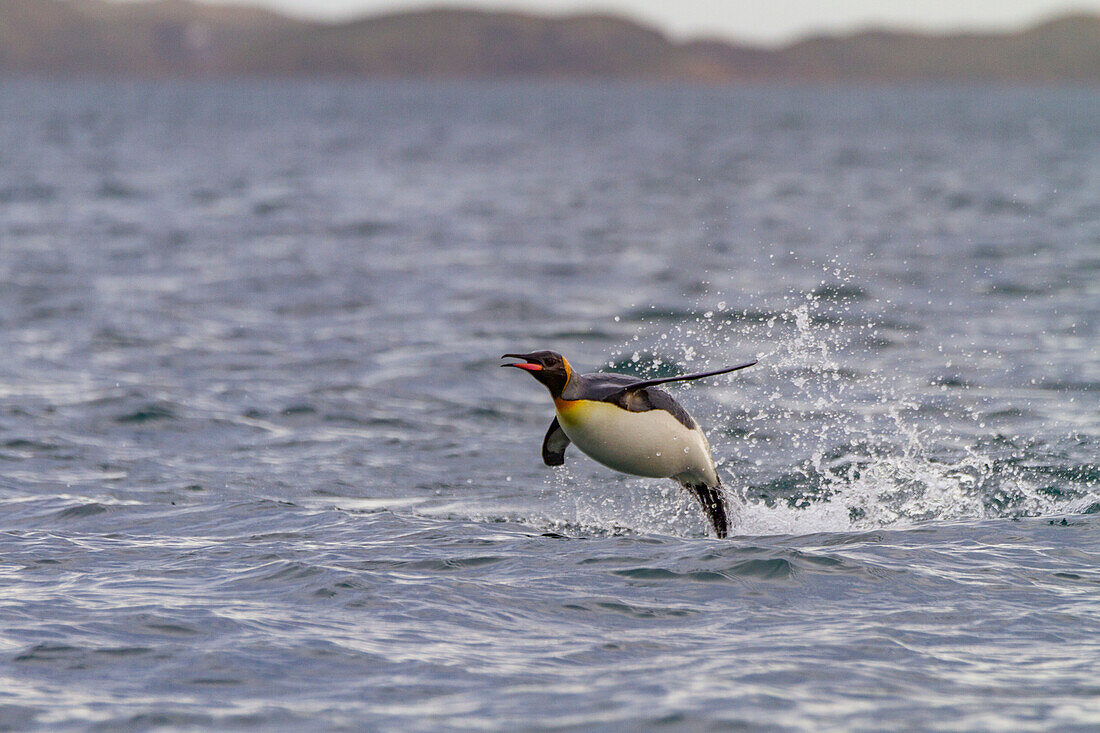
259,468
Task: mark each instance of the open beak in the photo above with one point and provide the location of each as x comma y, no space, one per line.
521,365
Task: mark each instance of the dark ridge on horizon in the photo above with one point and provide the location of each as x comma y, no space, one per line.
180,38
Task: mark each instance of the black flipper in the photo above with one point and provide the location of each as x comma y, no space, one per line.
684,377
554,445
713,502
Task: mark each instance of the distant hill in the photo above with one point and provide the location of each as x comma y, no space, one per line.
182,38
162,38
1067,49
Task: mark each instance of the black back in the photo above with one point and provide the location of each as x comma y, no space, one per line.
616,389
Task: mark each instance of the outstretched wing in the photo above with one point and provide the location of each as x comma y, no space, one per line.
684,377
554,445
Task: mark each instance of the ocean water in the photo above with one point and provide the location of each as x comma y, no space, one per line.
259,467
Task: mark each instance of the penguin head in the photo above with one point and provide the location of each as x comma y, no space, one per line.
546,366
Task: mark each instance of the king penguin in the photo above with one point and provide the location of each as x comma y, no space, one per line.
627,424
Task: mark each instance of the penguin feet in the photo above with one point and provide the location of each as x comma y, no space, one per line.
713,502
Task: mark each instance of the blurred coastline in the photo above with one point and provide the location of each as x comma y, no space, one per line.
180,38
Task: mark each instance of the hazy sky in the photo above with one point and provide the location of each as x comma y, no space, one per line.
769,21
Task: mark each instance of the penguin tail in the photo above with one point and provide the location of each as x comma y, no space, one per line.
714,506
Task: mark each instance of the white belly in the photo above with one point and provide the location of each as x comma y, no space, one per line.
652,443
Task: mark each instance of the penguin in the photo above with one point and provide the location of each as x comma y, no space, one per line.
627,424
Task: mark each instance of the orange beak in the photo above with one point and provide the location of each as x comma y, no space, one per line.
529,366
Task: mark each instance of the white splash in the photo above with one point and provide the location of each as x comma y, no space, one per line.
824,435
